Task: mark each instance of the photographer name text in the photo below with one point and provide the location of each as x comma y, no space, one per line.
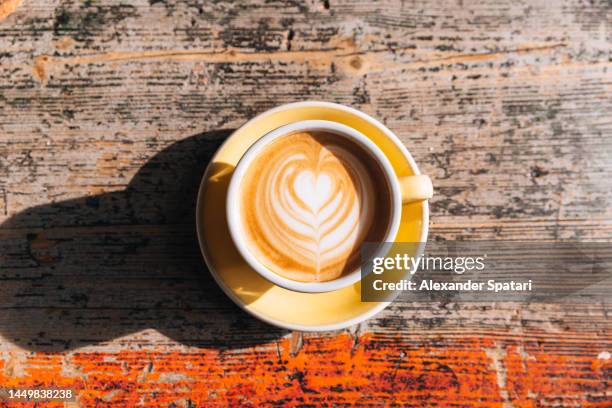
467,286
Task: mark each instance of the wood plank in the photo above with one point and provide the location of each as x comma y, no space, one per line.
467,371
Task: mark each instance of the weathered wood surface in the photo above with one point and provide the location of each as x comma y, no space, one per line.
109,111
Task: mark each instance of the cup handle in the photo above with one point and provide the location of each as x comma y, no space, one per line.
415,188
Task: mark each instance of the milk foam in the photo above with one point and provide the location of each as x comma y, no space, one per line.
308,201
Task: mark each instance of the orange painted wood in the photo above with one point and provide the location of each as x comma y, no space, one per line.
377,371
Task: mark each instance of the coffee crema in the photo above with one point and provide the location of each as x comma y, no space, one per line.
308,202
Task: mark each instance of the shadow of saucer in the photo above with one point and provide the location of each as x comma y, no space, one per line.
92,269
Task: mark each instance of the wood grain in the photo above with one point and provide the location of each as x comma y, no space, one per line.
109,111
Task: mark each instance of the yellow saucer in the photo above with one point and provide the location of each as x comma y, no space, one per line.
266,301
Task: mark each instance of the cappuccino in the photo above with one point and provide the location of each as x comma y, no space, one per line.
308,201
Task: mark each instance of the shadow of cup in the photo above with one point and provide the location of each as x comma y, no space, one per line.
247,284
92,269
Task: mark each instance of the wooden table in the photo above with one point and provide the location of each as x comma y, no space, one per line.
109,111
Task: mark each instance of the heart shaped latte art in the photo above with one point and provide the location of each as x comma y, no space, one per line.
309,201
